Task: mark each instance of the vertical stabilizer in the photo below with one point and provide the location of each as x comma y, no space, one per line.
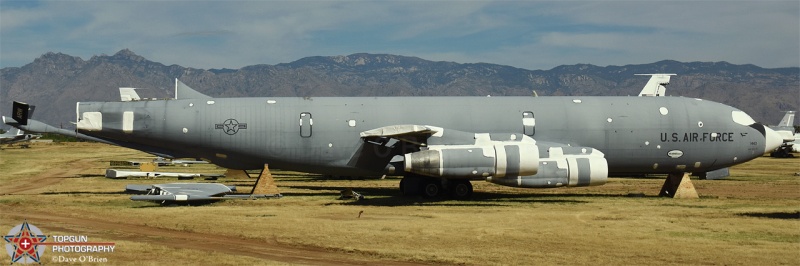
788,119
21,112
185,92
128,94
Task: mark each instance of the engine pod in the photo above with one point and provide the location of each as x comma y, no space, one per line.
465,161
572,171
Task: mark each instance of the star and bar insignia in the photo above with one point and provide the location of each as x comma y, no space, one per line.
230,126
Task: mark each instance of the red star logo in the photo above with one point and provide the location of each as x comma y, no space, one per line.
25,243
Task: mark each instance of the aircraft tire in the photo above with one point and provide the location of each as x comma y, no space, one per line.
403,187
431,188
411,185
460,189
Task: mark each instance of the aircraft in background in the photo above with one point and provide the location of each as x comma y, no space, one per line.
785,129
16,135
11,134
438,144
656,86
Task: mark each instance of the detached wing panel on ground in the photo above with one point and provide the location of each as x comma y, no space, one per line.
177,192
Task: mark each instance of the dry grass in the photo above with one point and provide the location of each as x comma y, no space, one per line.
751,218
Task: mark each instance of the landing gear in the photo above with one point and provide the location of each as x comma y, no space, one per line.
429,187
411,185
460,189
432,188
783,152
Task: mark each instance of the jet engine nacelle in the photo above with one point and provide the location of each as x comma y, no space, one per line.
466,161
561,171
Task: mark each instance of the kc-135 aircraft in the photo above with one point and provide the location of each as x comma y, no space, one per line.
438,144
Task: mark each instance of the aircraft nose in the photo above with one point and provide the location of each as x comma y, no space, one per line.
773,140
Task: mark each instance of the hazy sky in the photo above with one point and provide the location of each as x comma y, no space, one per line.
525,34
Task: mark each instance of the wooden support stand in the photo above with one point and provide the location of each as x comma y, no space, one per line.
678,186
265,184
236,174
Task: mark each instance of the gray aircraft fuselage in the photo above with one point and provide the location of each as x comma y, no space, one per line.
637,135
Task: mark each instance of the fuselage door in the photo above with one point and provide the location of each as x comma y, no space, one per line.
305,124
528,123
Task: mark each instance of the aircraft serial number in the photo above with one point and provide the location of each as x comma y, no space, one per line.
697,137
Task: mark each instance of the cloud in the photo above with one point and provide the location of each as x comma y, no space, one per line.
534,35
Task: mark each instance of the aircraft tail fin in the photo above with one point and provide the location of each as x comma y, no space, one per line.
788,119
186,92
656,86
128,94
22,112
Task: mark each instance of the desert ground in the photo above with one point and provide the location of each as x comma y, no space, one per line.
750,218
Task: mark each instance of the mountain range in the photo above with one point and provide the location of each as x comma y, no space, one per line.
55,81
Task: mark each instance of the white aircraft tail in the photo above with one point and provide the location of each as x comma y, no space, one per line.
788,119
128,94
656,86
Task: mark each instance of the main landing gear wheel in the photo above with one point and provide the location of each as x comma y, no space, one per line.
411,185
460,189
431,188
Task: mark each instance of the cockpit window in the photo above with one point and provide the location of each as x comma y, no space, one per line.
742,118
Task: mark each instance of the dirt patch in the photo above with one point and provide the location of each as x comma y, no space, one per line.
269,250
48,178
